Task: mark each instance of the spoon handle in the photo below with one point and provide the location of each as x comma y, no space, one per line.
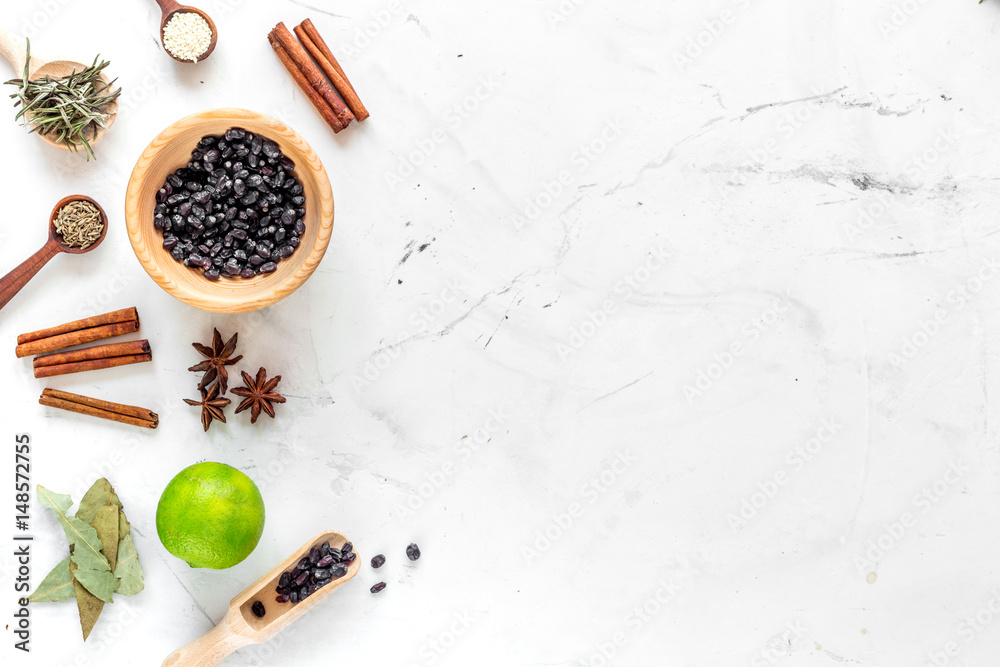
13,51
167,6
12,283
210,649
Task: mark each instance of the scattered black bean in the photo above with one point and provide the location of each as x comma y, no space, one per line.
258,609
379,587
234,210
413,552
378,561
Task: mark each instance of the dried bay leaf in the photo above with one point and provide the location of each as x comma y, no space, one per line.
123,525
100,584
128,570
57,586
84,544
100,494
89,605
106,525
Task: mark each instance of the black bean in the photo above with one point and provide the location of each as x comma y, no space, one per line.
325,561
301,579
258,609
281,598
322,574
338,570
230,184
300,228
379,587
378,561
303,563
347,548
303,593
413,552
294,597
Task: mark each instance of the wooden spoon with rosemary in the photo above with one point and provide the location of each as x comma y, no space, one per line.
69,105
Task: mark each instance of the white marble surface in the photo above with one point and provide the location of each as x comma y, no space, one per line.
715,318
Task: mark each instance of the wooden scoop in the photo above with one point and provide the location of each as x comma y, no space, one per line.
241,628
14,51
171,7
12,283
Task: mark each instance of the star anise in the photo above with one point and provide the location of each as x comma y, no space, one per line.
218,357
259,394
211,405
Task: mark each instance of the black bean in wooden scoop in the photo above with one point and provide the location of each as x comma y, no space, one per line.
235,210
258,609
316,569
379,587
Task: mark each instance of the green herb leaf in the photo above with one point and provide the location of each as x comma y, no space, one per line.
57,586
128,570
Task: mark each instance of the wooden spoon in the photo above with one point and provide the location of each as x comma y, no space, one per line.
14,51
241,628
171,7
12,283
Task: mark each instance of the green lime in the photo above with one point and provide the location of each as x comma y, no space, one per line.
210,515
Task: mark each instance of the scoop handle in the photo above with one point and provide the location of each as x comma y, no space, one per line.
12,283
210,649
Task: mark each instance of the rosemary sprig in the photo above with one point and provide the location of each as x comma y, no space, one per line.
70,109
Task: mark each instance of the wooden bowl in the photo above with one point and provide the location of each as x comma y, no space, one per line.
170,150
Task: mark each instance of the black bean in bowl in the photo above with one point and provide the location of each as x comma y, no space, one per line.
236,210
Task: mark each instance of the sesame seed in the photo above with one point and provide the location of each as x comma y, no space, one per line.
187,36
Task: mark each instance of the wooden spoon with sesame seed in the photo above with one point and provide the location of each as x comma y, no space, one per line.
170,8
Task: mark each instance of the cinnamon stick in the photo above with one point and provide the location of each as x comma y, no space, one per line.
321,53
286,40
62,341
92,353
91,365
93,407
125,315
